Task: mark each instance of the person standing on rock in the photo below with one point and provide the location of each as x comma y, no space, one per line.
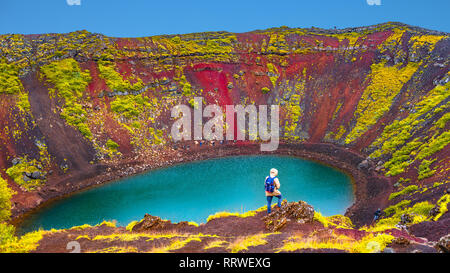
272,186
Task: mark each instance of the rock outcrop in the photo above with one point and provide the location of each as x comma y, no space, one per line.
300,212
150,223
155,223
443,245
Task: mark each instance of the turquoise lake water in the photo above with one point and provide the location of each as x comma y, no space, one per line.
193,191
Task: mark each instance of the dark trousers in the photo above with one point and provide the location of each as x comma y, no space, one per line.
269,202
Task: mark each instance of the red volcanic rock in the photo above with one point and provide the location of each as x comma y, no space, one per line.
320,79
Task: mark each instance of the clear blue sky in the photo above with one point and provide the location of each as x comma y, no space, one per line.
134,18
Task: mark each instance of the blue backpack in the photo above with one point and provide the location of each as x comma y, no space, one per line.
269,185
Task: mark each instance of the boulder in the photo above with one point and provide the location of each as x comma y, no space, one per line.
53,189
434,211
36,174
150,222
164,81
16,161
444,80
363,164
64,166
406,219
388,250
299,211
443,245
401,241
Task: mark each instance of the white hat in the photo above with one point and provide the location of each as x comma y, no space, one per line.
274,171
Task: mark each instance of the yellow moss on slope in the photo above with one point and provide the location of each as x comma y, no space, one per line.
393,215
352,37
386,83
244,243
294,112
24,244
9,243
442,204
392,40
426,40
5,200
114,79
273,73
395,136
368,244
338,221
26,165
237,214
212,44
70,82
11,84
9,79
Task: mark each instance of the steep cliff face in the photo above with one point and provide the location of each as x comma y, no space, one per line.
74,104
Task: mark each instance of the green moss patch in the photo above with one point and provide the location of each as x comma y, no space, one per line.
130,106
406,190
385,83
70,83
25,166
